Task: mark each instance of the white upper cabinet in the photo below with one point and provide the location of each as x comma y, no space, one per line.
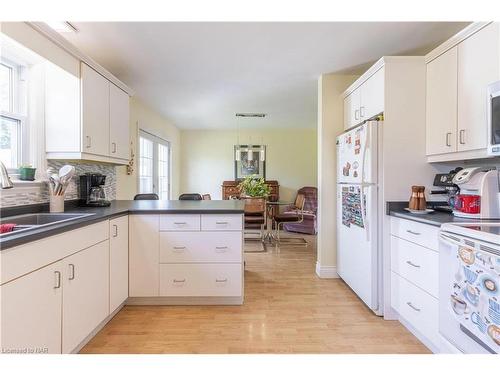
118,123
365,101
478,66
95,112
441,104
458,74
372,96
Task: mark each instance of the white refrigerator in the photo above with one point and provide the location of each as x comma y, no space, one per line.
358,257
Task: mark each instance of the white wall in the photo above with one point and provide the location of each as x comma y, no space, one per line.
330,125
143,117
207,159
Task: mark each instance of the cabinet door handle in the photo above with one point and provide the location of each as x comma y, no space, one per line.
221,280
71,272
448,142
356,114
113,150
412,264
412,232
58,279
179,281
89,141
361,111
115,233
462,137
413,307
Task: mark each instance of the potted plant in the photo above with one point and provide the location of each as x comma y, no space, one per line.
27,172
254,187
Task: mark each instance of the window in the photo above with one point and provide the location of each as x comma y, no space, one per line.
13,98
154,165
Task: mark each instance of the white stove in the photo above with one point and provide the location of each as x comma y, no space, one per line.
469,286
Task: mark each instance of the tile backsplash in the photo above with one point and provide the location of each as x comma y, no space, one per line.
40,194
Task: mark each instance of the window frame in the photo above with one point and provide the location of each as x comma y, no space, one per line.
156,141
18,112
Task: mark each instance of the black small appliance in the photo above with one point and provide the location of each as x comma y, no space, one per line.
445,181
92,192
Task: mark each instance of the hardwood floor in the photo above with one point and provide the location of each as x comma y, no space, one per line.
287,309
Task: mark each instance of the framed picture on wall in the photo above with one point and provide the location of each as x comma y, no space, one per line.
249,160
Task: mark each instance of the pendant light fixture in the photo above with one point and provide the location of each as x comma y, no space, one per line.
250,150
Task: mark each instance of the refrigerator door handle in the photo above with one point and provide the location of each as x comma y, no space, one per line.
363,213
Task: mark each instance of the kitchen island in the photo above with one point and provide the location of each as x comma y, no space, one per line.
61,283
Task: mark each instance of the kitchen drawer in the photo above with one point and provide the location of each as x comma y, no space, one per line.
177,222
416,307
416,264
222,222
181,247
201,280
422,234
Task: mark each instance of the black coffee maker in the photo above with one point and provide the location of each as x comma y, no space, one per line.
92,192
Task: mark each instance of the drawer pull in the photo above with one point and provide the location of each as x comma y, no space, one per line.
179,249
221,222
414,233
180,223
412,264
179,281
413,307
220,280
220,249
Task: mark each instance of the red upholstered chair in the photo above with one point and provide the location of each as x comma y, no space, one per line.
308,225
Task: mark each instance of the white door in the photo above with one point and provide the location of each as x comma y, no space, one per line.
31,311
372,96
357,256
85,293
119,142
118,262
441,104
95,112
357,154
154,165
478,66
144,255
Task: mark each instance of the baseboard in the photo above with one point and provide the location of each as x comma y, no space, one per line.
326,272
184,301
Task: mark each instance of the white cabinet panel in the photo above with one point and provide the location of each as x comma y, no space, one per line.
178,222
95,111
184,247
201,280
222,222
118,123
144,249
31,311
85,294
372,96
422,234
441,103
416,264
478,66
118,262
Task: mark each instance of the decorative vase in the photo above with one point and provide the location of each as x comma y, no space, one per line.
27,173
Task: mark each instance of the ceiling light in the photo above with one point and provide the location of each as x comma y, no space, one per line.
62,26
262,115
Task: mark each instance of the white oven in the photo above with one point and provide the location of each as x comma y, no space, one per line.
469,282
494,119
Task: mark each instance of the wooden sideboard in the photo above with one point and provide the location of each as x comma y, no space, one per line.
230,190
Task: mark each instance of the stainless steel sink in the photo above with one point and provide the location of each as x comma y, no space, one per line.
31,221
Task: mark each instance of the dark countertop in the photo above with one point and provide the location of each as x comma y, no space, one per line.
435,218
117,208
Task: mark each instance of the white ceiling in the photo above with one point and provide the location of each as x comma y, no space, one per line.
198,75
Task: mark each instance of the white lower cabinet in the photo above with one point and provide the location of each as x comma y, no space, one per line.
31,312
201,280
85,293
118,262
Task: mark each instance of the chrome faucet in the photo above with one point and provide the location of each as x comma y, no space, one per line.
5,181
